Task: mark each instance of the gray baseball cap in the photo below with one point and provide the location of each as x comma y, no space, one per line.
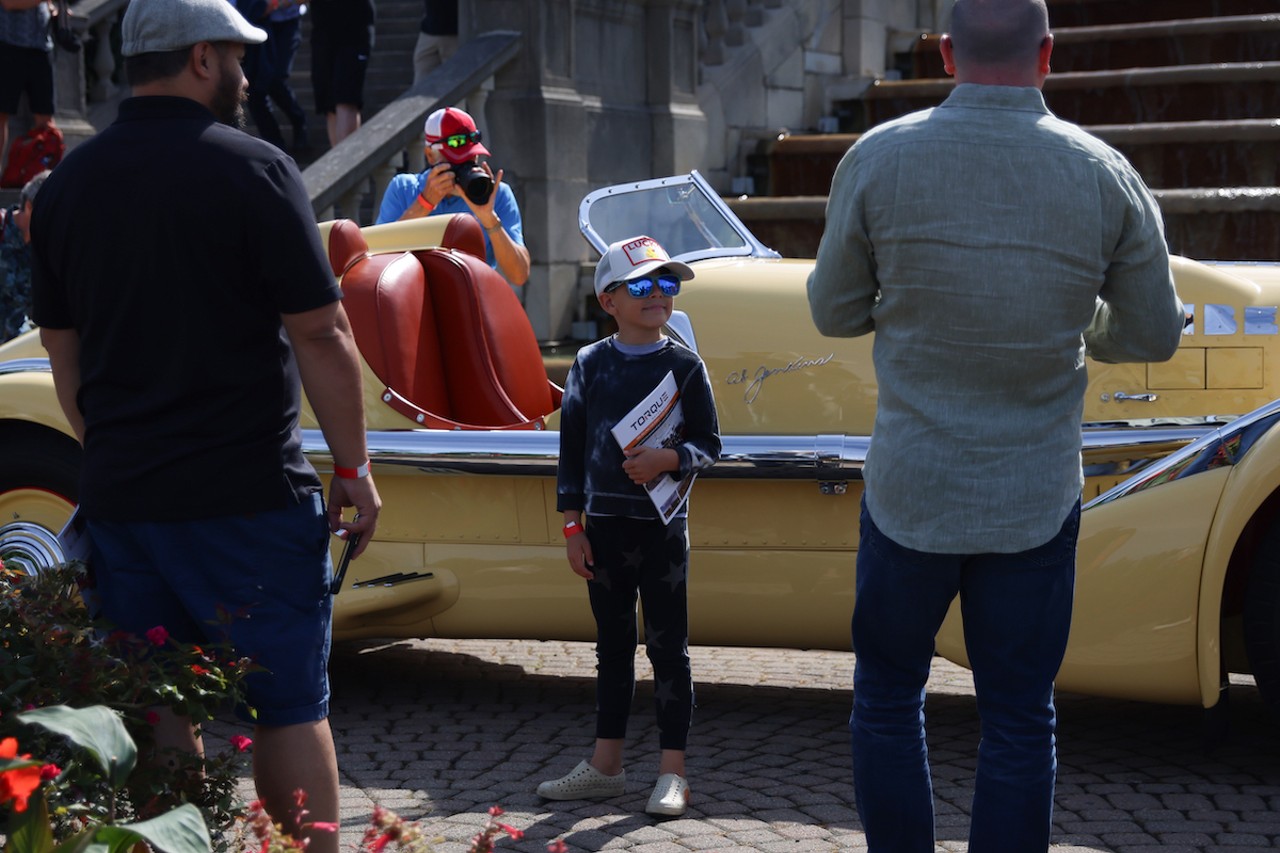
157,26
636,258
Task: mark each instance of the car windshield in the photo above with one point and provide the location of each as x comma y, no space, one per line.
682,213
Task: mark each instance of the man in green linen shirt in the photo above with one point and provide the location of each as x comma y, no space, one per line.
989,245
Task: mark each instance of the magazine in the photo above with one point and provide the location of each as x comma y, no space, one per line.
658,421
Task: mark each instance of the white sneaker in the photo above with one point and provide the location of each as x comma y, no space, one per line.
584,782
670,796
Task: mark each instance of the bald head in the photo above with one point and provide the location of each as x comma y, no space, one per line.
998,42
998,32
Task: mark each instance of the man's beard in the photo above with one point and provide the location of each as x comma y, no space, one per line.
229,99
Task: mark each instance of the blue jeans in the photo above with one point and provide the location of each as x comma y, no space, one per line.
1017,612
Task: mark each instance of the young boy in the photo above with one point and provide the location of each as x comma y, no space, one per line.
625,547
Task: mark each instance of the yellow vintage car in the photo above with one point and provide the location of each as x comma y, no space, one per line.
1179,560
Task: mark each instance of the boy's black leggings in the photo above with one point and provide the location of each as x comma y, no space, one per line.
634,555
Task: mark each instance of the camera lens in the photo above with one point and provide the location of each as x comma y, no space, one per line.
475,182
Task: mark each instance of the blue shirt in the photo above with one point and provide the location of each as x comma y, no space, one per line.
988,243
404,188
27,27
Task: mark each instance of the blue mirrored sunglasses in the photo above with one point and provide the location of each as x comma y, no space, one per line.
641,288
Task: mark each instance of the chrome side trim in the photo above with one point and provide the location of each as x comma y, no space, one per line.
532,453
25,365
1225,445
755,457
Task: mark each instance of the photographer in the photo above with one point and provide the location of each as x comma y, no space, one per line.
456,181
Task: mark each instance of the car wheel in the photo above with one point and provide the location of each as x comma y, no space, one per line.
1262,617
39,483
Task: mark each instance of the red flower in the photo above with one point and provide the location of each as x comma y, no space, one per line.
157,636
516,834
241,742
50,771
382,841
558,846
198,669
495,810
18,784
324,825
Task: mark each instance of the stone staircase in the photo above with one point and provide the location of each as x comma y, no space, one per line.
1188,90
389,74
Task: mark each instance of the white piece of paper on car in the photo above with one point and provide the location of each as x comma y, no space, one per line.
658,421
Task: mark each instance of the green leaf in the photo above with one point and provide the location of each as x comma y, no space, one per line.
29,831
179,831
97,729
82,843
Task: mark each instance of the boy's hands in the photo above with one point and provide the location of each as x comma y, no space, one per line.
578,548
645,463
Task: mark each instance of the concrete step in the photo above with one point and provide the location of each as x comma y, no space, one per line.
1214,92
1081,13
389,73
1240,153
1216,223
1194,41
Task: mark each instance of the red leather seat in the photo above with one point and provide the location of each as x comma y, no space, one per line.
493,366
443,332
465,234
346,246
394,324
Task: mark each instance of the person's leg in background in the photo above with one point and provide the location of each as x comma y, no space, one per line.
902,597
258,71
25,70
1017,614
286,38
430,52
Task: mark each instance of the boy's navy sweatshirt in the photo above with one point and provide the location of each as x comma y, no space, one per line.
605,384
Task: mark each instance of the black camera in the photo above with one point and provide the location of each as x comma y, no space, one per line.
475,181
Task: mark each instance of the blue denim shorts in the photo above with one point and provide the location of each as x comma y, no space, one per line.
269,571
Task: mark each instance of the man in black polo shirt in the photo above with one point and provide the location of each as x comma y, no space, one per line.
183,296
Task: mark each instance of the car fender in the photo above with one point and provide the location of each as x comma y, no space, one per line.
26,386
1252,482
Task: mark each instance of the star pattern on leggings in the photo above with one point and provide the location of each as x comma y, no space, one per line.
602,577
633,559
664,692
675,574
652,636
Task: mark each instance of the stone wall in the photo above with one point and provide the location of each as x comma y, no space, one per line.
607,91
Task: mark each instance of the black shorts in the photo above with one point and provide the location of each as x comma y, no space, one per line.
29,70
338,65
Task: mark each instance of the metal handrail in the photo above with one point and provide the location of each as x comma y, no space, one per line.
397,127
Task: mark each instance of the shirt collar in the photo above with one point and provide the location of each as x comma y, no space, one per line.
162,106
1023,98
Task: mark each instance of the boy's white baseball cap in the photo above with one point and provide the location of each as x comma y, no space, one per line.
636,257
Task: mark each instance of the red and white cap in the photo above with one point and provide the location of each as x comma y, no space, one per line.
636,257
448,122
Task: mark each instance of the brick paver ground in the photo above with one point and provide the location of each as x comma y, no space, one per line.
441,730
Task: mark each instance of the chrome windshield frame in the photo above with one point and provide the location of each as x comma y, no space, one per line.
751,247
